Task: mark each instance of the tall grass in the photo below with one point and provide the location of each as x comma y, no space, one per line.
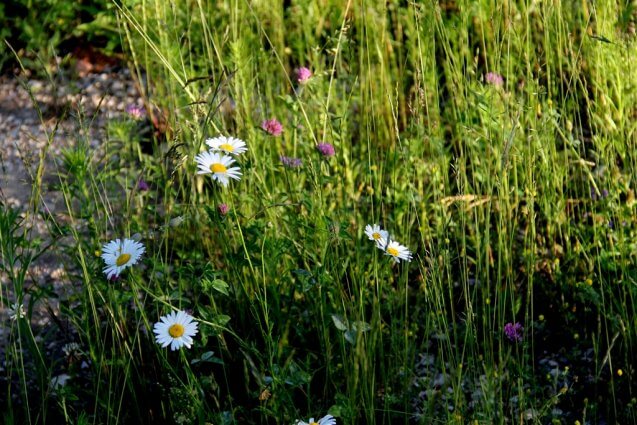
516,199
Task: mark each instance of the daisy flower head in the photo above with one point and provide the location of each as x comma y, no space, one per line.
376,234
325,420
175,329
219,165
120,254
397,252
272,127
230,145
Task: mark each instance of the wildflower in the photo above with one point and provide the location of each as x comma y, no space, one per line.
513,331
176,329
272,127
291,162
136,112
229,145
303,75
325,149
71,349
218,165
620,372
376,234
397,252
16,311
119,254
142,185
59,381
223,209
325,420
494,79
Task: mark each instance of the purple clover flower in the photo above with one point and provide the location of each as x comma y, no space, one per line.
291,162
142,185
326,149
272,127
303,75
603,194
136,112
514,331
223,209
494,79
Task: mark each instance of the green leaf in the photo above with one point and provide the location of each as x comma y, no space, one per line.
361,326
340,323
350,336
220,286
221,320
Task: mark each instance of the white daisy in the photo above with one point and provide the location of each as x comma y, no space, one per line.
176,330
397,252
325,420
376,234
218,165
119,254
229,145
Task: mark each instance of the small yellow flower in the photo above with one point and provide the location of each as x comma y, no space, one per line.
620,372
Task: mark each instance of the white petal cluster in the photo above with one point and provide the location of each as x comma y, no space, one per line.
120,254
175,329
229,145
376,234
397,252
217,162
383,242
325,420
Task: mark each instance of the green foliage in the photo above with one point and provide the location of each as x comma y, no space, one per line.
38,29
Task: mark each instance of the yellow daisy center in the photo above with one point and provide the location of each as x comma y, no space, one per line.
122,259
314,423
392,251
376,236
226,147
217,167
176,330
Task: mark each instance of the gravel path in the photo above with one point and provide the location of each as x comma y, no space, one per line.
104,96
98,98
